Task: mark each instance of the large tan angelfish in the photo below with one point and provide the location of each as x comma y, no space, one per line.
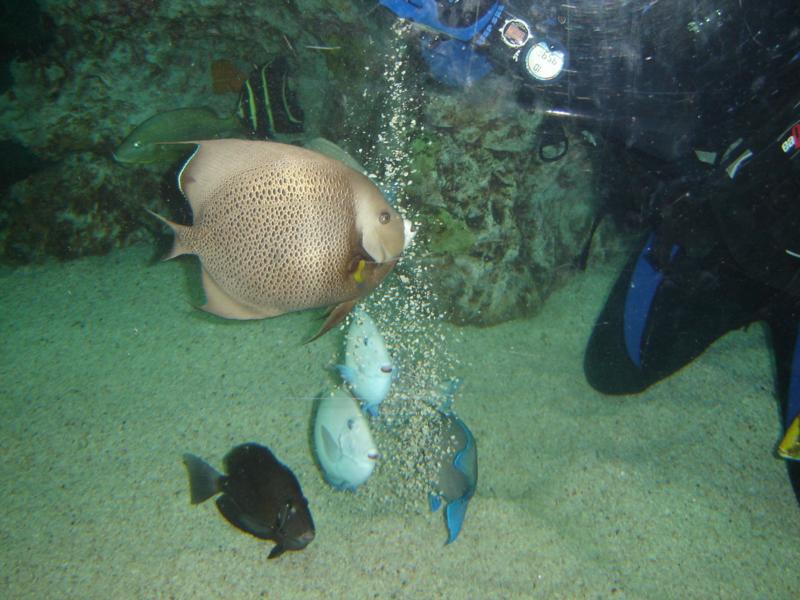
279,228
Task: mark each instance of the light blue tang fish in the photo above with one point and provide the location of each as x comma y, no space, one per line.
367,368
343,443
458,473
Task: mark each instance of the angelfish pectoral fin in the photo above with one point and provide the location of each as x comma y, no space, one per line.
337,314
222,304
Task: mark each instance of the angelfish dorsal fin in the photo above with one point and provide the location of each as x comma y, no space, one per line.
331,150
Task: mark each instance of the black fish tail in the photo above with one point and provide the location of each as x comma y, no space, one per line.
204,480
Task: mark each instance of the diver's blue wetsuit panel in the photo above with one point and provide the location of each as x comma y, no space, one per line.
793,397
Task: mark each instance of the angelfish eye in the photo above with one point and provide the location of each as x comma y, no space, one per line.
384,218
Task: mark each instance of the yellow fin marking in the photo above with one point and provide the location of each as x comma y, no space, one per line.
790,446
358,275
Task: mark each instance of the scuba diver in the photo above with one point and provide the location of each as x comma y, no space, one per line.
711,91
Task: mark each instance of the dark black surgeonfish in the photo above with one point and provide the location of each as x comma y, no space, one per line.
260,495
267,103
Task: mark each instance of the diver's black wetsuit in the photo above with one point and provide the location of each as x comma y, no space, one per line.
724,253
722,257
666,78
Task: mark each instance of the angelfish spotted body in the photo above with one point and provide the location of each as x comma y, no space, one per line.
279,228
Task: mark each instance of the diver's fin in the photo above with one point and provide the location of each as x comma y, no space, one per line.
642,288
204,480
789,447
454,514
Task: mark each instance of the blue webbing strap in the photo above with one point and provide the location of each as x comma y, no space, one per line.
425,12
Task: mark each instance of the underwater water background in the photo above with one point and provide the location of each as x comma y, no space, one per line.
109,375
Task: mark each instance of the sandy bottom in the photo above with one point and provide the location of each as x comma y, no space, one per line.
107,376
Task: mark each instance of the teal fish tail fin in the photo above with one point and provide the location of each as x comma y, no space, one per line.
204,480
180,245
454,514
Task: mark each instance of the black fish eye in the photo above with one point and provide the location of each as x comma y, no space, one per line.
350,423
384,218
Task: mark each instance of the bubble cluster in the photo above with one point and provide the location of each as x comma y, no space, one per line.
409,431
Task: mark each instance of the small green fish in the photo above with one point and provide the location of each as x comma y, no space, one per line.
143,145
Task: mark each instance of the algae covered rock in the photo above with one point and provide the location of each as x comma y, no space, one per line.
503,226
75,207
498,225
109,66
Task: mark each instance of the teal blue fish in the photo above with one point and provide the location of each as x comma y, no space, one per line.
457,478
458,474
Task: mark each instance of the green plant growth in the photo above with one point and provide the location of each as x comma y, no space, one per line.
449,235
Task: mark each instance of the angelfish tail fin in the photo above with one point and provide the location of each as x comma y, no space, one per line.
180,245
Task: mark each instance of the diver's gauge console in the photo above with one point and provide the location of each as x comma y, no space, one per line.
545,61
541,59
